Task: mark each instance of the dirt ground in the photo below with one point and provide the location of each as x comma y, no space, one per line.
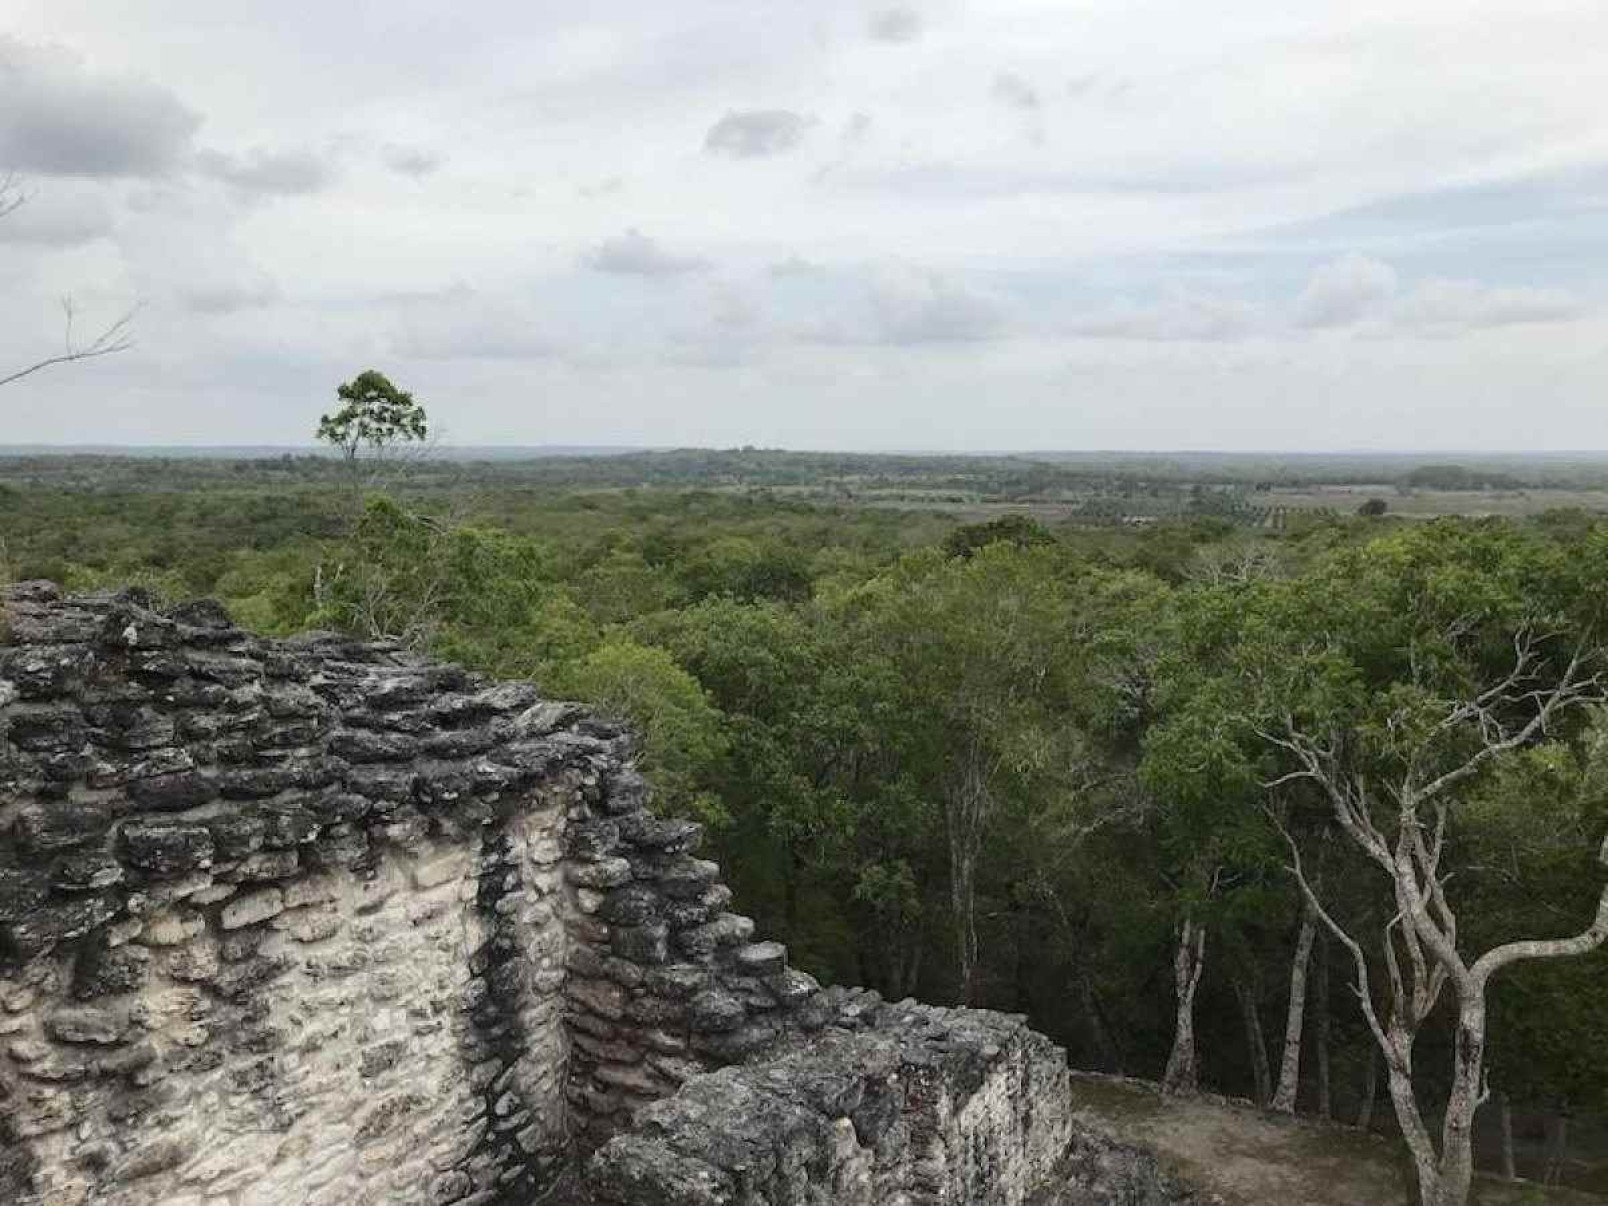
1252,1158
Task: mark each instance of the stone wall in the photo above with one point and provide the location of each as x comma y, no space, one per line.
900,1104
279,922
321,921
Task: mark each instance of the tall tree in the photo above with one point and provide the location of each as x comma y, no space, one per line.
375,417
1394,681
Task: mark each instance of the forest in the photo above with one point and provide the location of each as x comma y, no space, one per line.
1310,813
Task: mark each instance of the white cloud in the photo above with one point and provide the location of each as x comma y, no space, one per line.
1345,291
914,306
61,117
635,254
464,325
65,217
1181,314
565,124
1011,89
756,133
897,24
1463,305
285,172
907,306
411,161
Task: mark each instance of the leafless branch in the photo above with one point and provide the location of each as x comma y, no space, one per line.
1362,987
1582,943
115,338
11,195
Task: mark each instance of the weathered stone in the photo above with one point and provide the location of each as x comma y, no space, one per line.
249,910
85,871
61,825
715,1010
363,745
634,904
604,874
671,836
383,880
729,929
22,892
647,944
166,849
39,931
601,997
102,971
761,958
88,1024
591,841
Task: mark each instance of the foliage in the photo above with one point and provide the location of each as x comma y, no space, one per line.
374,415
900,720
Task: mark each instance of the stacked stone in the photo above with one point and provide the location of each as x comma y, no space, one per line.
271,884
321,921
664,981
891,1103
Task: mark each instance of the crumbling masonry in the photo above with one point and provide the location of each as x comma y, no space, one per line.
318,921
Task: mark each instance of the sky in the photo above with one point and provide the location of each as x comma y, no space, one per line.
963,225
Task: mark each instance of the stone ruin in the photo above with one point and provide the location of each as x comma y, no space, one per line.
320,921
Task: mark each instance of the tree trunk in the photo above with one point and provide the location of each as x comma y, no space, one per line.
1295,1014
1094,1019
1462,1103
1183,1075
1325,1079
1370,1091
1426,1166
1255,1041
1557,1147
1510,1169
963,904
966,805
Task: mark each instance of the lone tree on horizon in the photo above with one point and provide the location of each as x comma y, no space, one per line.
375,415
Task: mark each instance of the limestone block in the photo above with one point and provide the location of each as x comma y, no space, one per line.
251,909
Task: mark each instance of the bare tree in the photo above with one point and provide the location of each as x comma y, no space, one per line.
111,340
1182,1077
1400,821
1295,1014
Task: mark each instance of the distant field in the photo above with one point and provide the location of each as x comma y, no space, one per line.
1430,503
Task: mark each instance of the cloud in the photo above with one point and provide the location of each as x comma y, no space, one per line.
913,306
793,265
57,219
411,161
59,117
896,24
756,133
1182,314
281,173
1443,305
1356,288
1345,291
1011,89
462,325
250,291
635,254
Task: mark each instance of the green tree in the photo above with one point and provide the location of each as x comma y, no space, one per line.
1389,682
682,732
375,417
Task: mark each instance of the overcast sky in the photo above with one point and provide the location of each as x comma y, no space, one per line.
933,224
